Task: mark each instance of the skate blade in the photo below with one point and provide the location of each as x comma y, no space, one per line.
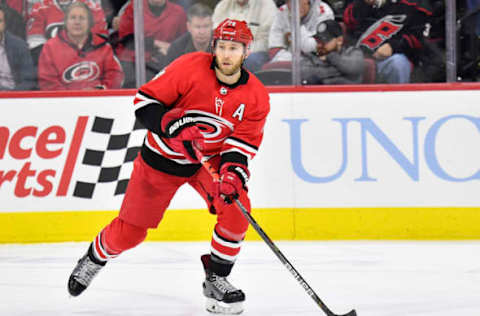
215,307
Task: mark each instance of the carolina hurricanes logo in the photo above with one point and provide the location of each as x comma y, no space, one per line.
82,71
214,128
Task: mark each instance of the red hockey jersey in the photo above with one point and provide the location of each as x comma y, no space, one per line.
62,66
166,27
231,117
47,17
403,24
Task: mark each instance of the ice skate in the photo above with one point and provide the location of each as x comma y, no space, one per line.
222,296
83,274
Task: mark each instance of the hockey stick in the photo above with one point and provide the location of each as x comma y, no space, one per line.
216,178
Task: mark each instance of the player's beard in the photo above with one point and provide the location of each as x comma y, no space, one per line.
231,69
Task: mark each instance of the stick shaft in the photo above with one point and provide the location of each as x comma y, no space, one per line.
216,177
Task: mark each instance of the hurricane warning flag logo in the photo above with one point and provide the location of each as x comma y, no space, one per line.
82,71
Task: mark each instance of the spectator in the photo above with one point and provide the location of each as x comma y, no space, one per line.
312,12
114,9
259,15
47,17
164,22
16,22
199,35
76,59
333,63
16,67
391,32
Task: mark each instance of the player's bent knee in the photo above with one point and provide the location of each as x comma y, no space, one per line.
121,236
234,232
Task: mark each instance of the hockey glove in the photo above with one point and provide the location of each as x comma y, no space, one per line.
182,133
233,178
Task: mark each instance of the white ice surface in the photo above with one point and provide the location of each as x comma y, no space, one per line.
375,278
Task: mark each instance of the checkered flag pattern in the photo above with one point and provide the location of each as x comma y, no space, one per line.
107,166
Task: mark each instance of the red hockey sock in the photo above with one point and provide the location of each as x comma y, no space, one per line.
117,237
224,248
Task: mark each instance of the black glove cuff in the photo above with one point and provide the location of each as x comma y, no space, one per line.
233,157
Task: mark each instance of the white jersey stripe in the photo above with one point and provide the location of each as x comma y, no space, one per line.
145,101
243,146
163,146
152,148
223,256
225,243
104,253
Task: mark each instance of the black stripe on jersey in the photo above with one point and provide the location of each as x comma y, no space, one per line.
166,165
233,157
151,115
146,95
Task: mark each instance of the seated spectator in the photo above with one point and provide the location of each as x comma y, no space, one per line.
16,21
259,15
164,22
391,32
333,63
199,35
47,17
16,67
77,59
312,12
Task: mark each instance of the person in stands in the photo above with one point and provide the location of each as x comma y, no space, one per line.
76,59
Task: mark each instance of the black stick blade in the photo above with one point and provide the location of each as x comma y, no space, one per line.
351,313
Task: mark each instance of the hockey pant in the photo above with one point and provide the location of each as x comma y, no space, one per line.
147,197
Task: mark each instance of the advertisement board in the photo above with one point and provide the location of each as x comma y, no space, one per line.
371,150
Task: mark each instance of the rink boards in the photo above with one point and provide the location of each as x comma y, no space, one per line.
334,164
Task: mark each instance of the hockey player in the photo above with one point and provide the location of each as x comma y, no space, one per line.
206,100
